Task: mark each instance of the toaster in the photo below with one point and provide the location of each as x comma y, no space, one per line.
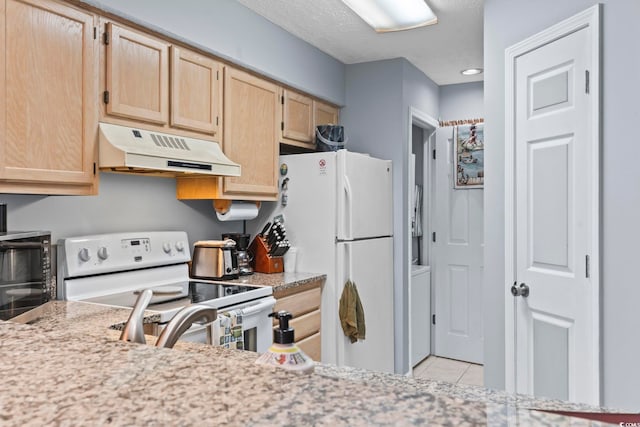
214,260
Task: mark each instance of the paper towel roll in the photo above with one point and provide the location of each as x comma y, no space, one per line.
239,211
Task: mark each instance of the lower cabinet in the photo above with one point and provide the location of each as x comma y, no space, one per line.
311,346
304,305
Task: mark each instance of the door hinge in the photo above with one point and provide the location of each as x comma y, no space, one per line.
95,33
433,236
94,168
433,319
587,266
282,100
281,125
217,124
586,79
433,155
106,37
105,96
217,75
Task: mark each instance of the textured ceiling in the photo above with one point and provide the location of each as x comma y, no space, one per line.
441,51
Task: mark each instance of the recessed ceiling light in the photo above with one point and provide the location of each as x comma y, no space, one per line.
393,15
472,71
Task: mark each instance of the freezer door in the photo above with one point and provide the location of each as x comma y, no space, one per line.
365,203
369,264
310,212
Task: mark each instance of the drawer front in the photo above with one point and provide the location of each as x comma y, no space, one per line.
305,325
311,346
300,303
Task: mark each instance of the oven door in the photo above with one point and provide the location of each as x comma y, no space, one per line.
257,325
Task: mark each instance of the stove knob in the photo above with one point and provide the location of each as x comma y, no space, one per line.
179,246
103,253
166,247
84,255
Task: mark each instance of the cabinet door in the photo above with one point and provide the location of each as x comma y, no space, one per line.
196,92
297,117
325,114
48,98
137,76
252,119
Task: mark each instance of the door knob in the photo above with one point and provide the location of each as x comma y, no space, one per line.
520,291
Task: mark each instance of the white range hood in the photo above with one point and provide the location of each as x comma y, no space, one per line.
131,150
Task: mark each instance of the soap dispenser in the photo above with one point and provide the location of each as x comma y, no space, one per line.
284,353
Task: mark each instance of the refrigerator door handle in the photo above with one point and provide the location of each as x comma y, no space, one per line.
348,208
348,261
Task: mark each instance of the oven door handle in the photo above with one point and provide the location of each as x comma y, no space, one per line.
5,246
258,307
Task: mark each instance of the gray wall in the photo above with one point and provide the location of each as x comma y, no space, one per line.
236,33
505,23
376,119
125,203
462,101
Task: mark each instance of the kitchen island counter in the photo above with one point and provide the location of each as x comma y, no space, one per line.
67,368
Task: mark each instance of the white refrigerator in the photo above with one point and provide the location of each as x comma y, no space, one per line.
338,214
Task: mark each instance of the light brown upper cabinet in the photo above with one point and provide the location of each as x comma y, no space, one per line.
196,92
48,98
297,119
137,75
324,114
252,117
301,114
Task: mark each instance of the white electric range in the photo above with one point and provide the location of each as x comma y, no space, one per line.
111,269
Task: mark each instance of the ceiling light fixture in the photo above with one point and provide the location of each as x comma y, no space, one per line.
393,15
471,71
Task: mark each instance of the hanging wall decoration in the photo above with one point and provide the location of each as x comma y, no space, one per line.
468,155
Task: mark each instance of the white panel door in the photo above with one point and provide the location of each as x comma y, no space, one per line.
458,260
365,205
556,335
369,264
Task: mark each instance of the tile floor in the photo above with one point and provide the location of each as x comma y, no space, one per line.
449,370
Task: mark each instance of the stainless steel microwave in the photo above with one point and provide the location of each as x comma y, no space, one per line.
25,271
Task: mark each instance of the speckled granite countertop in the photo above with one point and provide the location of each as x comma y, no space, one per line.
67,368
283,283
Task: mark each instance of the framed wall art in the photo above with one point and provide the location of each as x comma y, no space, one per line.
468,156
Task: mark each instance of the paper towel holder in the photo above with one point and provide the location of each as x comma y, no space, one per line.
223,206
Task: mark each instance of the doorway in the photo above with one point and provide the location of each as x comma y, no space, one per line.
421,136
447,251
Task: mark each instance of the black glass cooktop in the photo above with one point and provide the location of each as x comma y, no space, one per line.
170,297
203,291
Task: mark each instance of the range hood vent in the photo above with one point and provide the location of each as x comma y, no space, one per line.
131,150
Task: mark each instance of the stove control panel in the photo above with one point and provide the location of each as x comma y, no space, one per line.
107,253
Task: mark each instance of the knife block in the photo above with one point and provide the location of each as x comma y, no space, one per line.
262,262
